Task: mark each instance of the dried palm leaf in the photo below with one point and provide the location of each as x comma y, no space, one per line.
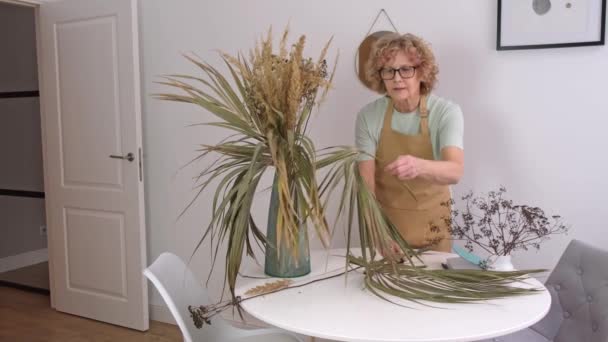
269,287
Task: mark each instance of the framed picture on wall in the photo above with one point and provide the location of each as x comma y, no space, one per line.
541,24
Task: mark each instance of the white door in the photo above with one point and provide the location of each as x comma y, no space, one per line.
90,99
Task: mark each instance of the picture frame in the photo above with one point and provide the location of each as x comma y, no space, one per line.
543,24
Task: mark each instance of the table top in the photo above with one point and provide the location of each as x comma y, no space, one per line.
341,309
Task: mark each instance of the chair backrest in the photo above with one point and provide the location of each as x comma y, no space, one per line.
179,289
579,294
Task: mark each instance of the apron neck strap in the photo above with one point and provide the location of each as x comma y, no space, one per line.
424,112
388,115
424,115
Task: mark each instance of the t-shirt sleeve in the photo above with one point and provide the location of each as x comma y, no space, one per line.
451,128
364,138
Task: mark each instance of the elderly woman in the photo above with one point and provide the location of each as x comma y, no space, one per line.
416,138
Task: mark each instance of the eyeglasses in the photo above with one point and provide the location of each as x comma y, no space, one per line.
404,72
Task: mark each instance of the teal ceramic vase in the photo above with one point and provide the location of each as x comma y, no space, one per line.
282,263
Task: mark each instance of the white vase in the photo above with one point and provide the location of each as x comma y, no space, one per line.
501,263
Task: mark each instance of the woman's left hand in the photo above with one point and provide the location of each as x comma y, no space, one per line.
406,167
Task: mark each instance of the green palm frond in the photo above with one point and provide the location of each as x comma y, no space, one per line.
418,284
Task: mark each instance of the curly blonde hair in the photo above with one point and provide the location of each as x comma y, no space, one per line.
419,51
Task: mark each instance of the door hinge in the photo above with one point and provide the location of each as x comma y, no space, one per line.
140,167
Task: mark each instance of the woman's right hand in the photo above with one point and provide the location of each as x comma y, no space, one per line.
392,251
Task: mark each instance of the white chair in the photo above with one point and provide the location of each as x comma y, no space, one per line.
179,288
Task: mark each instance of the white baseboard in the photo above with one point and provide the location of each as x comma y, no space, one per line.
161,313
14,262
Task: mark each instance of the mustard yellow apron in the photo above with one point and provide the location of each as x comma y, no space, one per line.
414,217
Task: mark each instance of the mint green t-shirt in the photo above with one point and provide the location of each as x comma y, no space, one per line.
446,125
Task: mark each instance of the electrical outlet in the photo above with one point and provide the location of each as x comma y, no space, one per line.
43,230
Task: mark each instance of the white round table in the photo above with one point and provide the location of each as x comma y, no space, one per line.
341,309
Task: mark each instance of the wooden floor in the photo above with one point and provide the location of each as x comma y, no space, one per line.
27,316
36,276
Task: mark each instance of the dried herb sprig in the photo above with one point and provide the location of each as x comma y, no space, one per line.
203,314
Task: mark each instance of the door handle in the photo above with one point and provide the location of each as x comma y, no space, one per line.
128,157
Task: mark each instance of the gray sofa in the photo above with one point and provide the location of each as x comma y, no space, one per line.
579,300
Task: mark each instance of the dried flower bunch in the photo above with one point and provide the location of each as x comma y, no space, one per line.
281,89
203,314
280,92
500,227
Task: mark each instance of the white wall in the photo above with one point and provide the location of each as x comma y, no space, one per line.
535,119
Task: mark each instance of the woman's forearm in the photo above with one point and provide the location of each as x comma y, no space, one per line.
367,170
441,171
